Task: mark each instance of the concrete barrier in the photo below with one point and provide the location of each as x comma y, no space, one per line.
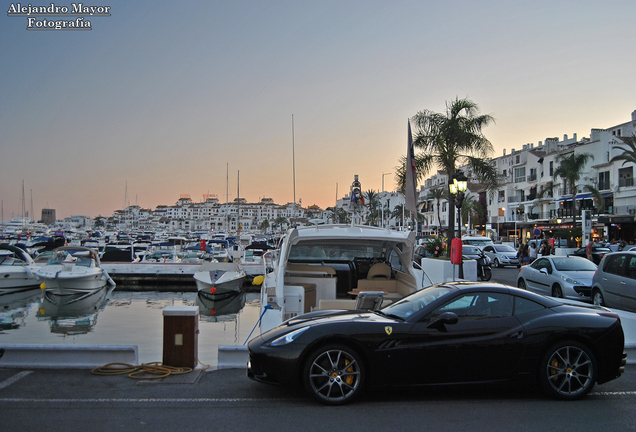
66,356
232,357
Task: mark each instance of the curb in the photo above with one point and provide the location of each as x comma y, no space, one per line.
66,356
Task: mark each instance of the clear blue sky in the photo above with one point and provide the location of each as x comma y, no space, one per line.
163,95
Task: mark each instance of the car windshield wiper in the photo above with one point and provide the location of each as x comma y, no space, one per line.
389,315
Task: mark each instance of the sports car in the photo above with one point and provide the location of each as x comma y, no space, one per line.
456,332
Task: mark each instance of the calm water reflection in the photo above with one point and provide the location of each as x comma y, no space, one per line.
124,318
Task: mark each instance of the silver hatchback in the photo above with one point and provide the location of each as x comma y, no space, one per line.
614,283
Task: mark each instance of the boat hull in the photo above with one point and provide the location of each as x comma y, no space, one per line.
72,283
219,278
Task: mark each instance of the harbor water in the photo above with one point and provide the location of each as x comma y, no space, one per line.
125,318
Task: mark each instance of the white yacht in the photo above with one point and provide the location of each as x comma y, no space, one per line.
73,269
326,266
17,270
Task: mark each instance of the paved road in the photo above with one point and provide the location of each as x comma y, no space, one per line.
225,400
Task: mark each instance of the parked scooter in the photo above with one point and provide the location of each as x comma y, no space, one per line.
484,269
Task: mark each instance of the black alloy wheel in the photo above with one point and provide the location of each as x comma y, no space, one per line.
521,284
334,375
557,291
568,371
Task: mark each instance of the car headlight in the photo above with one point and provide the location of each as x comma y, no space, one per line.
570,280
288,338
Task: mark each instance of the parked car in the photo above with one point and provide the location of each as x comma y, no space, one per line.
502,255
614,283
558,276
456,332
420,252
598,252
476,240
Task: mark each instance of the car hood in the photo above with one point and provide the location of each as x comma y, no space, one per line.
323,317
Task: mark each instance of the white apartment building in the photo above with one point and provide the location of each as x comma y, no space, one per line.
525,206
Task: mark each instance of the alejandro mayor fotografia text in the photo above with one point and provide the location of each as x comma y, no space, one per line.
77,10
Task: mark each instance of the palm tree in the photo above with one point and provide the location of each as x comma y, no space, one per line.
438,194
569,169
372,205
398,213
449,140
627,155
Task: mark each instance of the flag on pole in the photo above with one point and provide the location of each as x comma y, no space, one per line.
411,174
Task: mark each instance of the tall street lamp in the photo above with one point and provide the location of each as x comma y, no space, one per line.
457,188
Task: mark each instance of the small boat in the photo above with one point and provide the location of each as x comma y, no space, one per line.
252,259
16,270
215,278
74,269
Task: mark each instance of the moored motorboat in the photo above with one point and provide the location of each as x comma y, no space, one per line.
252,259
16,270
74,269
219,277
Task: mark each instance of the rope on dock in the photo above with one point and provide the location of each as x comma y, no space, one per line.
144,371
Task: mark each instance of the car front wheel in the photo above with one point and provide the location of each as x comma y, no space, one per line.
334,375
557,291
568,371
496,263
521,284
597,298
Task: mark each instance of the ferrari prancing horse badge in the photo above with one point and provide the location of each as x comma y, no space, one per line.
388,330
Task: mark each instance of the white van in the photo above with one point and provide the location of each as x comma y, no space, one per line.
477,240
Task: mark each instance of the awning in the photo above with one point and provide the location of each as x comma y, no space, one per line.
582,196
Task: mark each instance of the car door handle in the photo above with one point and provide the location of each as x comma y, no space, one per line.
604,279
517,335
623,283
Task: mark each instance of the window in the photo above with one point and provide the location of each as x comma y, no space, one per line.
631,268
520,175
603,180
615,264
478,305
626,177
524,306
551,168
517,159
542,263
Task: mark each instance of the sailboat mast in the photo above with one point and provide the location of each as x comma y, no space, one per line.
238,202
294,161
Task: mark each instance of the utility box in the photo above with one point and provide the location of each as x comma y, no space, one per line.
180,336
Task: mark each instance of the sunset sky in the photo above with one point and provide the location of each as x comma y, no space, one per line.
163,96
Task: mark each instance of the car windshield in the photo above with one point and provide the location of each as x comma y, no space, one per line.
413,303
504,248
471,250
574,264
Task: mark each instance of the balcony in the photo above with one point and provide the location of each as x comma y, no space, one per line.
625,182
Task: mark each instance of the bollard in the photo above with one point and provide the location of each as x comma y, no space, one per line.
180,336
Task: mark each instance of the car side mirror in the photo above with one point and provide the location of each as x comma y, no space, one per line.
544,271
440,322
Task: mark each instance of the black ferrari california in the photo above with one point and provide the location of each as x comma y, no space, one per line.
459,332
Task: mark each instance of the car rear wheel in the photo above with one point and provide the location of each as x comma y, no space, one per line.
334,375
521,284
557,291
597,298
568,371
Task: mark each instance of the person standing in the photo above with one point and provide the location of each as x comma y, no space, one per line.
588,250
533,251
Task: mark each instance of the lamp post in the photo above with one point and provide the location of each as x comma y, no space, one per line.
457,188
383,174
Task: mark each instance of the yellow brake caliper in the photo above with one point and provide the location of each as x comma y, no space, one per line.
555,364
349,378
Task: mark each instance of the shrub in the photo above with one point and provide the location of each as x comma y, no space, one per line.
436,247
